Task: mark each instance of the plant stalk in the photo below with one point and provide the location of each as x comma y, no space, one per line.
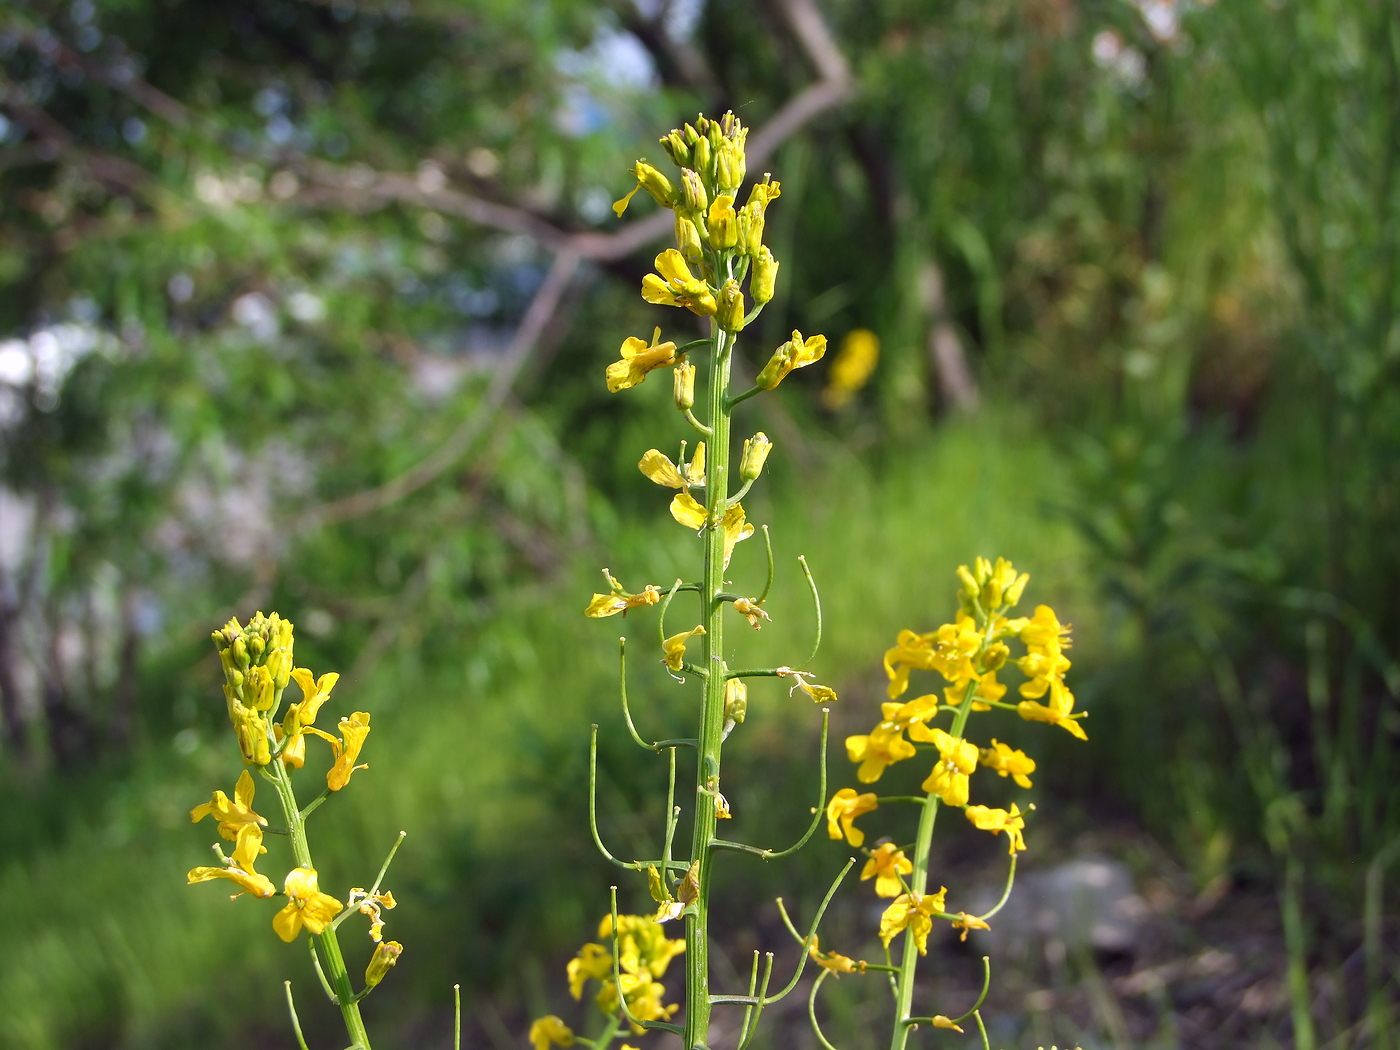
332,959
711,739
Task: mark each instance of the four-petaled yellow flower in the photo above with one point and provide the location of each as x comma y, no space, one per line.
948,651
1008,762
673,647
914,912
314,693
549,1030
240,867
638,360
231,814
691,513
795,353
306,906
620,600
998,820
882,746
886,864
675,285
657,466
842,810
958,758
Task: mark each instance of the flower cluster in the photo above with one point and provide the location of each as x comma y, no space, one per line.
258,665
643,954
968,654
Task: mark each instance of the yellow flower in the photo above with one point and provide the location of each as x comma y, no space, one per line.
250,728
886,864
314,693
353,731
658,467
675,285
913,912
1057,713
882,746
949,777
764,192
1015,764
998,820
966,922
231,814
942,1021
638,359
306,906
674,647
948,651
856,360
834,961
619,600
1045,630
654,182
843,809
642,944
723,223
240,867
751,611
592,960
384,959
795,353
373,905
689,512
819,694
549,1030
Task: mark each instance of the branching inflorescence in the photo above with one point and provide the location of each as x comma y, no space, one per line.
968,654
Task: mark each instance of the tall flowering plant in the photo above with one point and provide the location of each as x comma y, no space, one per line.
721,271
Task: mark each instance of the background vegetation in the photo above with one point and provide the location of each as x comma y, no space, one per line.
305,307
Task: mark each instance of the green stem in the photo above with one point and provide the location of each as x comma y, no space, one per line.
329,945
711,738
918,880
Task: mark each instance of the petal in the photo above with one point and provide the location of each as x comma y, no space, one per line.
287,923
687,511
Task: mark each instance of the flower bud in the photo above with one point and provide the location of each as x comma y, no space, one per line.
688,239
729,166
755,454
677,149
703,156
731,307
723,223
655,183
763,276
751,229
685,386
994,658
736,704
386,955
693,196
689,135
1017,588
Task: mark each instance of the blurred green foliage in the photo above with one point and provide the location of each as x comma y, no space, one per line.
1133,271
